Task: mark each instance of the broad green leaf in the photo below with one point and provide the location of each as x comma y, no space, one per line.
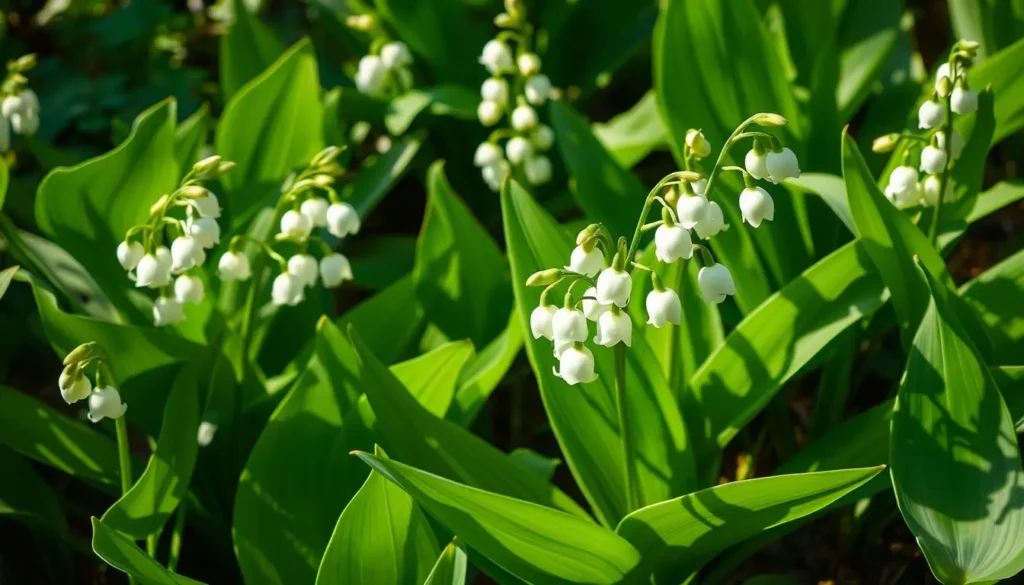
485,371
832,190
956,467
543,466
144,510
190,138
861,65
450,568
994,24
246,50
269,126
993,295
87,209
584,418
679,535
41,433
435,374
5,279
382,538
444,100
535,543
635,133
461,276
122,554
25,496
442,447
1010,380
380,174
1005,72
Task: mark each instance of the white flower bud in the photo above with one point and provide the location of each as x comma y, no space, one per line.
931,115
529,64
541,320
963,100
154,270
933,160
614,286
287,290
495,89
23,112
614,327
568,326
129,254
542,137
342,219
955,148
583,262
712,224
691,209
207,206
537,89
186,253
930,189
756,165
495,174
304,267
489,112
756,205
372,75
782,165
663,307
518,149
395,54
75,388
497,57
538,170
942,71
715,283
167,311
106,403
234,266
188,289
576,365
205,230
903,189
335,269
315,208
672,243
295,225
697,144
524,118
591,308
204,436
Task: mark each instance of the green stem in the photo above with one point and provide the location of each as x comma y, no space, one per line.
124,457
947,131
625,430
177,536
723,153
24,256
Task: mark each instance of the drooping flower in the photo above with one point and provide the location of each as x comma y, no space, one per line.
697,144
614,287
756,164
541,320
542,137
497,57
372,75
315,208
931,115
22,110
335,269
495,174
207,206
538,169
537,89
782,165
129,254
106,403
287,290
395,54
756,205
167,311
488,153
930,189
614,327
518,149
204,436
529,64
295,225
713,223
186,253
663,307
715,283
903,189
584,261
489,112
495,89
942,71
692,210
304,267
576,365
73,385
342,220
234,266
672,243
963,100
524,118
205,230
188,289
567,327
592,309
154,270
933,160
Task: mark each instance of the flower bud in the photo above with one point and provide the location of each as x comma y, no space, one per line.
713,223
544,277
204,436
614,287
538,170
903,189
529,64
371,76
489,112
576,365
663,307
969,45
614,327
756,164
295,225
495,89
497,57
504,20
226,167
325,157
315,208
542,137
584,261
106,403
87,350
931,114
524,118
756,205
495,174
205,230
234,266
933,160
691,210
672,243
782,165
930,190
488,153
73,385
167,311
129,254
303,267
154,270
342,220
158,206
715,283
770,120
943,87
541,322
206,165
188,289
963,100
335,269
360,22
885,143
395,54
537,89
518,149
287,290
26,62
697,144
690,176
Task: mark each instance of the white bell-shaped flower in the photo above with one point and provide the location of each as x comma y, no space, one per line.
614,327
931,114
782,165
204,436
537,89
756,164
489,113
538,169
942,71
205,230
495,89
524,118
541,322
372,76
287,290
154,270
129,254
715,283
295,225
23,112
963,100
542,137
613,287
167,311
697,144
756,205
592,309
518,149
903,189
529,64
488,153
568,326
663,307
497,57
672,243
576,365
234,266
335,269
304,267
930,188
74,388
25,124
692,209
342,219
395,54
955,148
186,253
933,160
586,262
188,289
494,175
106,403
315,208
713,224
207,206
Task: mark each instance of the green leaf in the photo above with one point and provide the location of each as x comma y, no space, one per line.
28,498
485,371
190,138
956,467
380,261
144,510
444,100
543,466
532,542
435,374
584,418
380,174
992,23
993,295
271,125
450,568
635,133
832,190
861,65
416,434
679,535
87,209
461,276
1005,72
5,180
122,554
246,50
41,433
5,279
382,538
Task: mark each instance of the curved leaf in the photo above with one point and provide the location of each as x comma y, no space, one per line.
635,133
380,174
450,568
247,49
122,554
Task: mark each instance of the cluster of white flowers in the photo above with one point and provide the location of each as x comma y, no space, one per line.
952,95
19,110
75,385
527,139
174,270
384,73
